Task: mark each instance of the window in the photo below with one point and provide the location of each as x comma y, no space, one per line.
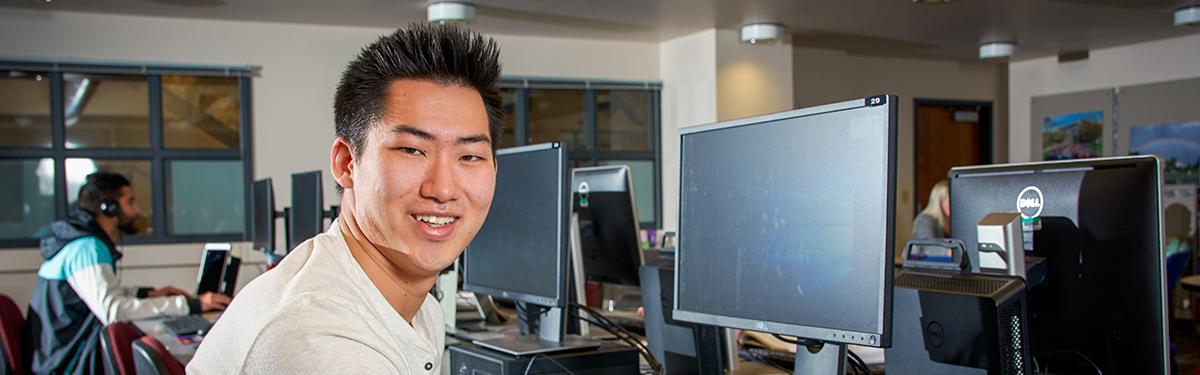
600,123
180,134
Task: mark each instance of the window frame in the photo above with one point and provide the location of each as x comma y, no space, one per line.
158,155
592,156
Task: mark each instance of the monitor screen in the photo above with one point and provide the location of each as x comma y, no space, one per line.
308,208
262,223
1097,223
521,249
785,222
608,224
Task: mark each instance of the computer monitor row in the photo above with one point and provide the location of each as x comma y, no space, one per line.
786,226
303,220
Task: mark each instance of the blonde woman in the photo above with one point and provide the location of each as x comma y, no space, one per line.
934,220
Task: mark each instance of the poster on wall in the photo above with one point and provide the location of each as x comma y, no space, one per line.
1073,136
1072,125
1176,144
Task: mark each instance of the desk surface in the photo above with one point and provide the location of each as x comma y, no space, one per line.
181,351
1191,283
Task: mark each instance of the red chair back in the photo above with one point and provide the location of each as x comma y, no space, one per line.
11,323
152,357
117,343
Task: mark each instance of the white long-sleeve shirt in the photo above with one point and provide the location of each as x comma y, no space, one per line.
87,266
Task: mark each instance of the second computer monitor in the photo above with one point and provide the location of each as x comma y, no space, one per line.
262,212
785,223
608,224
308,208
520,251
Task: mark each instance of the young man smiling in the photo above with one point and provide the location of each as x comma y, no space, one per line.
417,113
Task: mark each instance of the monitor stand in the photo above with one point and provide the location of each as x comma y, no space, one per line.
821,358
551,337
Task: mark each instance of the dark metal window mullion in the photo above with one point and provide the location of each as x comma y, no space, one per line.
58,145
157,162
244,95
589,124
656,143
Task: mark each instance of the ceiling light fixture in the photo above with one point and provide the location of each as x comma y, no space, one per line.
996,51
450,12
761,33
1188,16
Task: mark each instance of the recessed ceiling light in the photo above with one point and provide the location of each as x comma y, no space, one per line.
996,51
761,33
450,12
1188,16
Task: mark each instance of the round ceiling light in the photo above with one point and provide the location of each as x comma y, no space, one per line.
996,50
1188,16
450,12
761,33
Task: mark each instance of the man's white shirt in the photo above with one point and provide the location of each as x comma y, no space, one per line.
317,312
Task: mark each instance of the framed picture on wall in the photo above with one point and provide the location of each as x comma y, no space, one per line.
1073,125
1176,144
1073,135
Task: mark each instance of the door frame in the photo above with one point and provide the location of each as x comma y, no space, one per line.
986,117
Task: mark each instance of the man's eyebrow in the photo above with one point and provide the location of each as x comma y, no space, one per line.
406,129
478,138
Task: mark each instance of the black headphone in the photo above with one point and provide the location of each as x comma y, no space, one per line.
110,208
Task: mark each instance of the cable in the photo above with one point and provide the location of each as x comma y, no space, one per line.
642,349
619,331
1075,352
536,356
858,362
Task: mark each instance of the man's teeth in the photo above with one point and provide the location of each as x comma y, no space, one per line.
436,221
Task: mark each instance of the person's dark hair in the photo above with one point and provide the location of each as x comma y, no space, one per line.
445,54
99,187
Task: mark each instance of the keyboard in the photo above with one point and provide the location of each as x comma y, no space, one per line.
187,325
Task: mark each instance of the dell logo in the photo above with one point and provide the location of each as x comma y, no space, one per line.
1030,202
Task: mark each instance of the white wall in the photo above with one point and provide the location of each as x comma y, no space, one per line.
688,66
1156,61
292,98
826,76
752,79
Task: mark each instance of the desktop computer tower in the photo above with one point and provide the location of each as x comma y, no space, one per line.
950,323
469,359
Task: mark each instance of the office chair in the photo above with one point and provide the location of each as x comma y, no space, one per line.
12,354
117,342
151,357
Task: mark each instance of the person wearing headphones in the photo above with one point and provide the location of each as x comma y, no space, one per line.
78,292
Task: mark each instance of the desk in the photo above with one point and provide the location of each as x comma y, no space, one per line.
183,352
1190,283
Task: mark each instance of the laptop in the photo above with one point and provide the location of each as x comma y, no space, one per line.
218,270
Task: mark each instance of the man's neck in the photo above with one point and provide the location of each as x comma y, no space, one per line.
404,291
110,228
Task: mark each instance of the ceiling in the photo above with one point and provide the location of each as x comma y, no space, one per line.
867,27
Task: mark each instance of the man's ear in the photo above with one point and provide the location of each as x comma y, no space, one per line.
341,160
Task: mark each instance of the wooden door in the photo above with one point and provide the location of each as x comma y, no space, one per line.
946,140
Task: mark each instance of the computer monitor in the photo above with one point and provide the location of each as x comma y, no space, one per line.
262,212
1097,223
521,251
308,208
602,197
212,265
786,226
